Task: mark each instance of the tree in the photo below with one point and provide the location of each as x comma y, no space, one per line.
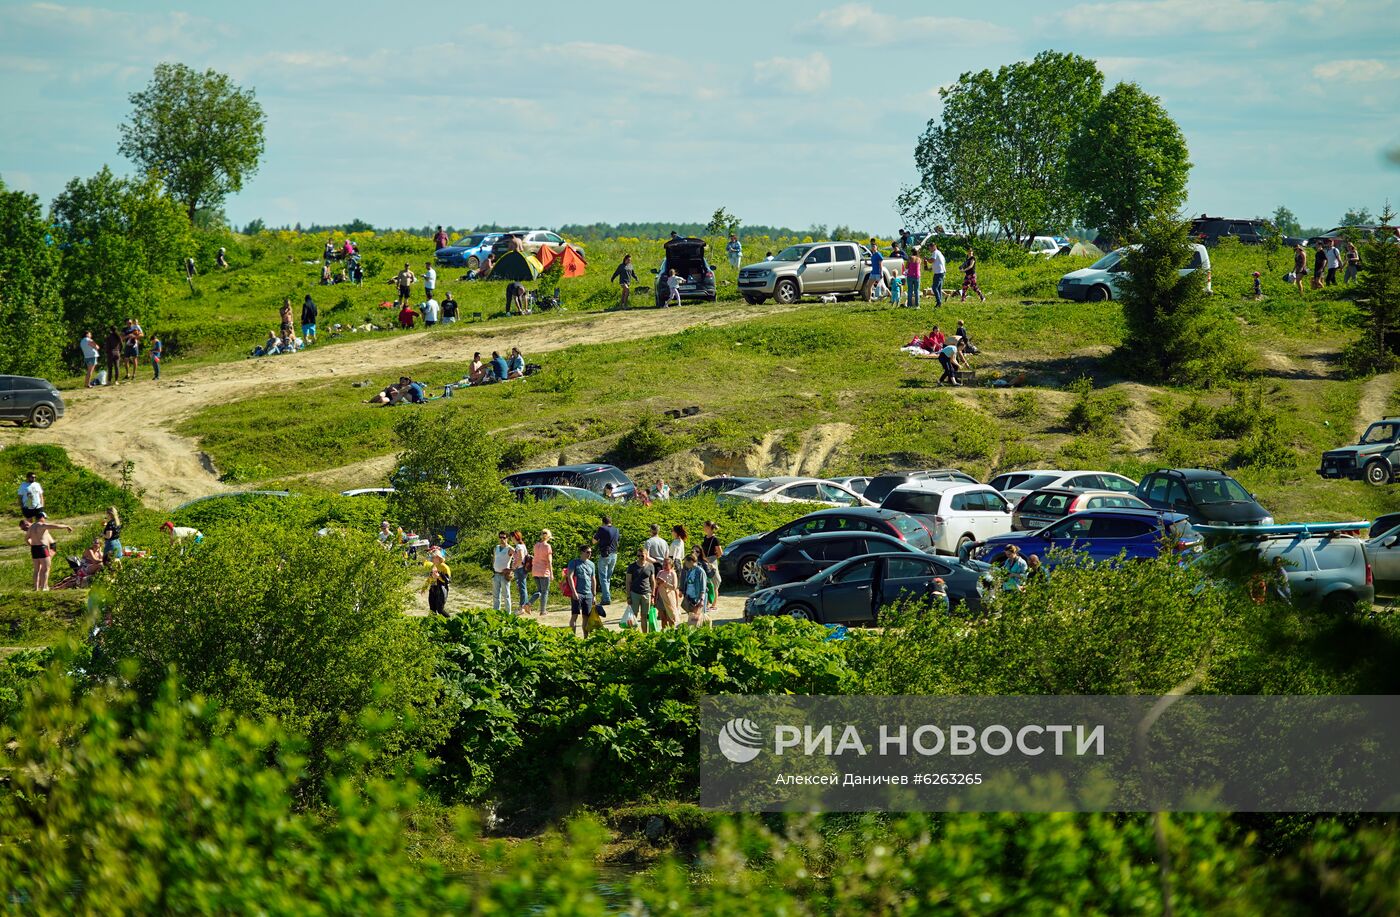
31,314
449,473
999,153
1378,294
254,227
1357,217
1286,222
198,132
1128,160
268,621
1175,333
722,223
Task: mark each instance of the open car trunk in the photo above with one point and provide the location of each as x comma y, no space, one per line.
687,256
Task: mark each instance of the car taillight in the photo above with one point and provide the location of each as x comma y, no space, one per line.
894,530
770,567
1370,580
938,520
709,275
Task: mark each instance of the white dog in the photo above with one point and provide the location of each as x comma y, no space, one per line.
829,297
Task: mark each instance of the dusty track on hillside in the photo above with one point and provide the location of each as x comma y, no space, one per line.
107,427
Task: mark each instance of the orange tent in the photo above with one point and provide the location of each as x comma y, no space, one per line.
574,264
546,256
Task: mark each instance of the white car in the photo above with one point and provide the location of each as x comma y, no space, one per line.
956,514
1078,480
795,490
1099,281
1045,246
856,483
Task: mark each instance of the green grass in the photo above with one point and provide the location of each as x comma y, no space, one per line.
68,489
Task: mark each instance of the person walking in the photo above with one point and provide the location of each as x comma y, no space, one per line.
1300,266
112,348
969,272
939,264
90,352
429,279
500,574
734,250
711,551
38,534
913,277
676,549
1353,262
673,288
31,496
189,273
308,320
694,588
582,576
439,239
1334,262
1319,265
112,537
157,352
625,275
542,569
520,566
667,591
1016,570
221,259
606,540
439,581
640,576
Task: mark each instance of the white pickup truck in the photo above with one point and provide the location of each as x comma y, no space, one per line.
814,269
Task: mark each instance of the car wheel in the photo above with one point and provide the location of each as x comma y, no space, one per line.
786,292
801,612
1099,293
1378,472
1339,603
473,263
750,571
964,544
42,416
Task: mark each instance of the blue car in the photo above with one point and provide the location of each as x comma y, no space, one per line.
468,251
1099,535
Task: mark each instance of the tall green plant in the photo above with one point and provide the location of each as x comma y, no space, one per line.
31,314
448,474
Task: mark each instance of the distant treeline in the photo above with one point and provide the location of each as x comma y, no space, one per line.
583,232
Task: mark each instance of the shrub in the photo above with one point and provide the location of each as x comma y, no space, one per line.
448,474
1024,405
268,621
1094,412
646,442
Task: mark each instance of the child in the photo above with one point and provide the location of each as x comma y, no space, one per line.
673,288
1258,287
158,349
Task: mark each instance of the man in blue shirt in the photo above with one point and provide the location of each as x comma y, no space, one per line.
584,577
877,261
498,366
607,538
734,250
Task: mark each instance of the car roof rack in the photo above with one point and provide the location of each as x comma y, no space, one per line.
1306,529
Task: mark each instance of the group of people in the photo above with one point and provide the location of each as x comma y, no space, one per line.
916,257
951,351
497,369
666,582
122,350
1327,260
430,311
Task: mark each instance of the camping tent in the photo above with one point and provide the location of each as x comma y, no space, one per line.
546,256
516,266
1081,250
571,260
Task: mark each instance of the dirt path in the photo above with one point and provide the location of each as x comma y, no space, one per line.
1375,401
106,427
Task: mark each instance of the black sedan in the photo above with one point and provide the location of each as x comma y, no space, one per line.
802,557
855,591
722,484
740,560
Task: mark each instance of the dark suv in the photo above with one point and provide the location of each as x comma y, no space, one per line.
740,560
1206,496
697,275
1375,458
27,400
1211,230
800,557
594,477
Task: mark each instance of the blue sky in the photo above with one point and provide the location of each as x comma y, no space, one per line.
785,113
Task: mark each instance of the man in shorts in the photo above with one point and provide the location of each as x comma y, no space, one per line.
405,279
582,575
640,577
38,534
308,320
31,497
131,347
429,279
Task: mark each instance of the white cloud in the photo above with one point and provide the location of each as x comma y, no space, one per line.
861,24
1357,70
1156,18
794,74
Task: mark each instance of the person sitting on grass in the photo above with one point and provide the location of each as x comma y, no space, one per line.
406,317
482,272
477,374
391,393
515,366
499,370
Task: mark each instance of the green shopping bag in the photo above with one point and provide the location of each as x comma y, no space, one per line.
651,619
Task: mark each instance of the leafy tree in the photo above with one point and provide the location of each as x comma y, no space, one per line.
1357,217
722,223
268,621
359,225
1128,160
1286,222
449,473
1378,294
254,227
31,315
1175,333
199,132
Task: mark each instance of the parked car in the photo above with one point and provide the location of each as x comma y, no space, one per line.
1049,504
1210,230
1207,496
855,483
1009,479
369,492
544,492
717,485
534,240
1078,480
27,400
856,591
468,251
1045,246
1366,232
1099,281
1383,524
740,561
697,275
1375,458
800,557
794,490
1332,571
1100,535
1383,552
881,485
811,269
956,514
594,477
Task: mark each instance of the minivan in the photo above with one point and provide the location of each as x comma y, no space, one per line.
1099,281
595,477
27,400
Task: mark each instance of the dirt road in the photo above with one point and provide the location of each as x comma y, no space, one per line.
135,422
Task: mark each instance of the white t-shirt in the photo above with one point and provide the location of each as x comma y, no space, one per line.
89,348
940,263
31,496
1334,257
430,310
430,279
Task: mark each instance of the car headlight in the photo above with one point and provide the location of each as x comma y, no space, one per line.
1267,520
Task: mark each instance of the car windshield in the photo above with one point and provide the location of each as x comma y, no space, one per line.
1218,490
1378,433
759,487
792,253
470,241
1107,261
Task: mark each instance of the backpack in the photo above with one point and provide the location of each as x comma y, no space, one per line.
567,586
529,564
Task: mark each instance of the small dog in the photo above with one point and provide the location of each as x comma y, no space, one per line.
829,297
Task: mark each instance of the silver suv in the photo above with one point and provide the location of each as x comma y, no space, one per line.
811,269
1330,570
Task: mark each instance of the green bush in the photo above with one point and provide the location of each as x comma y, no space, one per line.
448,474
1094,412
1024,405
647,441
68,489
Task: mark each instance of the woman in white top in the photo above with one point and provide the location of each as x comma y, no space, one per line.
676,550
